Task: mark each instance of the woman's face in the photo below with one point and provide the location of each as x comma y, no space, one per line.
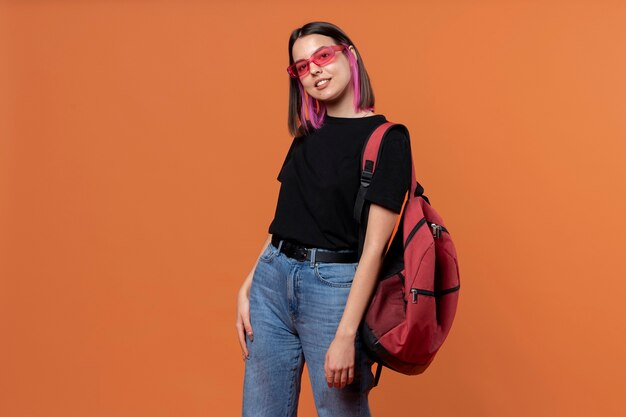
337,71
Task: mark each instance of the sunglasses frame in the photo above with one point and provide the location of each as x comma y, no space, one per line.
292,70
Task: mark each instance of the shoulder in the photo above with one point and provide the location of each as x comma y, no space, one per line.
395,152
398,132
397,137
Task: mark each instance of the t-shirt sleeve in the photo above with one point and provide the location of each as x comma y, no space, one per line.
287,157
392,176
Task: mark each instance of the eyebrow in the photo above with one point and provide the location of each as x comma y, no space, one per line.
300,59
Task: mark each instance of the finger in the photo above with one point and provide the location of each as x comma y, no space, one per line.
329,375
344,377
337,379
247,326
327,372
350,374
242,338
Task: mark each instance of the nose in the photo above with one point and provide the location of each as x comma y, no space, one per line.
314,68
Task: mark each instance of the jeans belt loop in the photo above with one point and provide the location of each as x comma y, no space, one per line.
313,251
280,244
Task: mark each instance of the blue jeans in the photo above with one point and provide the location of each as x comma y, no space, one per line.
295,309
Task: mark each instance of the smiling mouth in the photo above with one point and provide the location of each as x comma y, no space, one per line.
322,82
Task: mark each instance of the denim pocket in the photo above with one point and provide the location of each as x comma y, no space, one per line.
335,274
269,253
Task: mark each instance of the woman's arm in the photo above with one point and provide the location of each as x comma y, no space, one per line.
380,225
339,362
242,322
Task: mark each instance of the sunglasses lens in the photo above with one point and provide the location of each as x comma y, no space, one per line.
299,68
324,56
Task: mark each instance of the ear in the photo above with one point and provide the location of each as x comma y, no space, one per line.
351,49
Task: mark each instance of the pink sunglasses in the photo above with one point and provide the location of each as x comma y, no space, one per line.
322,56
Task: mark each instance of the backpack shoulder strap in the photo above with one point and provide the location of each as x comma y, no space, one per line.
369,157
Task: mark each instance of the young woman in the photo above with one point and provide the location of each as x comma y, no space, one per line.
305,298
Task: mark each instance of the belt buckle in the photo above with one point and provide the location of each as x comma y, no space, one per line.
301,253
296,252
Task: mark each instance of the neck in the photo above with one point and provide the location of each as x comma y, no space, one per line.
364,113
343,106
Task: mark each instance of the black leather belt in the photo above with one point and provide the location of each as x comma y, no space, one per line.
302,253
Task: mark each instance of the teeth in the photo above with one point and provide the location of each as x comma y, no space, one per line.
321,82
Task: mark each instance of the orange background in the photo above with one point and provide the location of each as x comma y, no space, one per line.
139,148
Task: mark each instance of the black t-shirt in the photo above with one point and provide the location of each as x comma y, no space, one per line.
320,179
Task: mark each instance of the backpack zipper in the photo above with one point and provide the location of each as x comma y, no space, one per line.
437,229
415,291
417,226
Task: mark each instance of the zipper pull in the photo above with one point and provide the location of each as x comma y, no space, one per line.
414,295
436,230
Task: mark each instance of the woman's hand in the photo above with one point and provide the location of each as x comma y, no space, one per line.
339,363
243,318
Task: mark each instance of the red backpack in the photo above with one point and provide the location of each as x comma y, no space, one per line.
413,305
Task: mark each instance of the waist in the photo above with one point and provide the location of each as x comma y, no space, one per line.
299,252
